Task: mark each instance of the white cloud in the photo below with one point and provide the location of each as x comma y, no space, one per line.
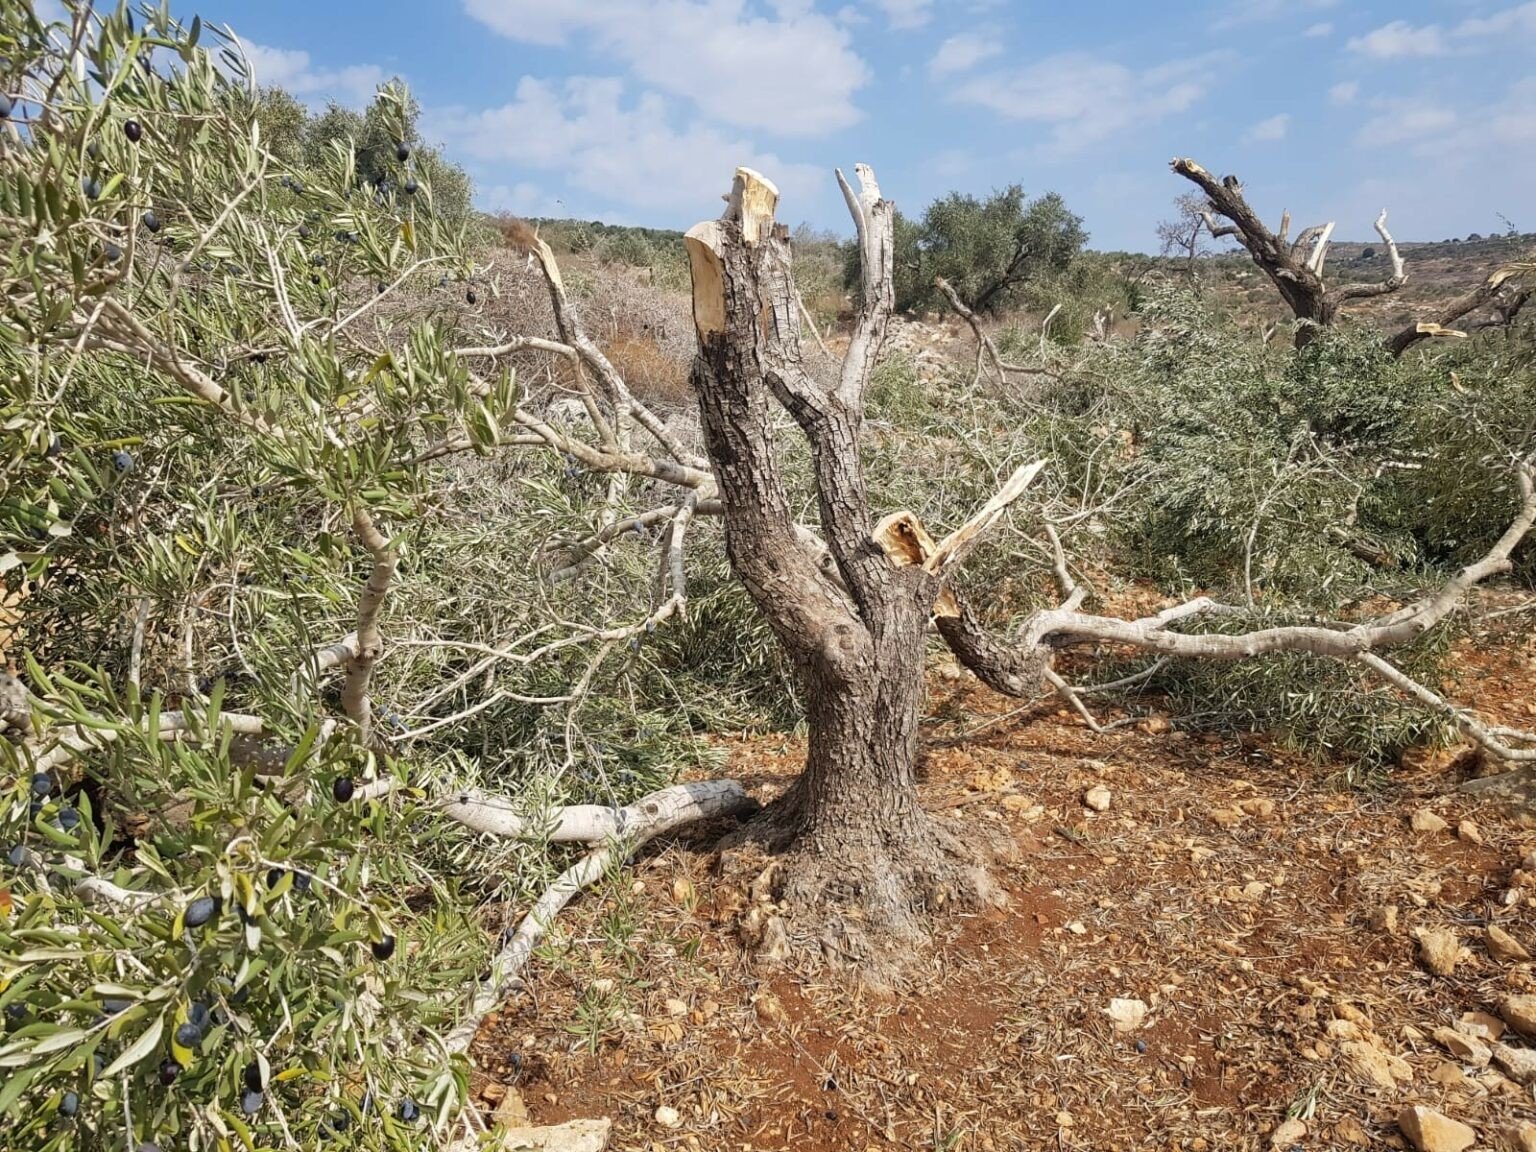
1084,99
1400,38
1274,128
1408,121
1318,31
293,71
962,53
793,73
1238,12
1344,92
907,13
1517,21
627,151
1515,25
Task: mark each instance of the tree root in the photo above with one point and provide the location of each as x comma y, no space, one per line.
864,907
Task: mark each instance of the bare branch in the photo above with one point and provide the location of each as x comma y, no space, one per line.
1392,283
370,643
655,815
875,221
1488,737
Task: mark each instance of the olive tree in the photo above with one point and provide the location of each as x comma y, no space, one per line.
987,249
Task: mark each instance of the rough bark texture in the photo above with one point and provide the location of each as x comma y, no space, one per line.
862,861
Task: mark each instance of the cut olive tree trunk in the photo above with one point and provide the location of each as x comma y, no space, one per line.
862,861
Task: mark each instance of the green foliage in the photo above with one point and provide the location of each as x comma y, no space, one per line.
988,249
194,397
1319,483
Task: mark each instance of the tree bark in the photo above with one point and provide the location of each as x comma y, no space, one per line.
860,861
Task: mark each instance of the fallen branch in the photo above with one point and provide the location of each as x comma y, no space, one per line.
77,740
653,816
90,888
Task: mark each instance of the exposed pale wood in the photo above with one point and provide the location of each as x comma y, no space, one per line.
754,198
958,544
704,242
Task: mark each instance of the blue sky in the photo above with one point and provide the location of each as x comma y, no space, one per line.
637,111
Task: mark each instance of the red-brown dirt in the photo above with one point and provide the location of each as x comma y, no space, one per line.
1233,888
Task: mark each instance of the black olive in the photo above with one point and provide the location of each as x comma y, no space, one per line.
411,187
301,881
151,221
17,855
273,876
383,948
408,1110
250,1103
402,152
68,819
112,252
42,785
471,297
133,130
112,1005
200,911
169,1070
253,1078
197,1013
70,1104
342,787
91,187
305,231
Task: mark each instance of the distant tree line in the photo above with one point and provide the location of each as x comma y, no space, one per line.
301,138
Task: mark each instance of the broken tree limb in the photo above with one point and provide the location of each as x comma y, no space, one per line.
90,888
1016,668
655,815
76,741
1493,739
1503,291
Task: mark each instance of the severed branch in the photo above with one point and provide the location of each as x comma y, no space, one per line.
985,347
77,740
90,888
1493,739
634,825
1017,668
1504,291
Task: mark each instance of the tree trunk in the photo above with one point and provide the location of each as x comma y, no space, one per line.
858,861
